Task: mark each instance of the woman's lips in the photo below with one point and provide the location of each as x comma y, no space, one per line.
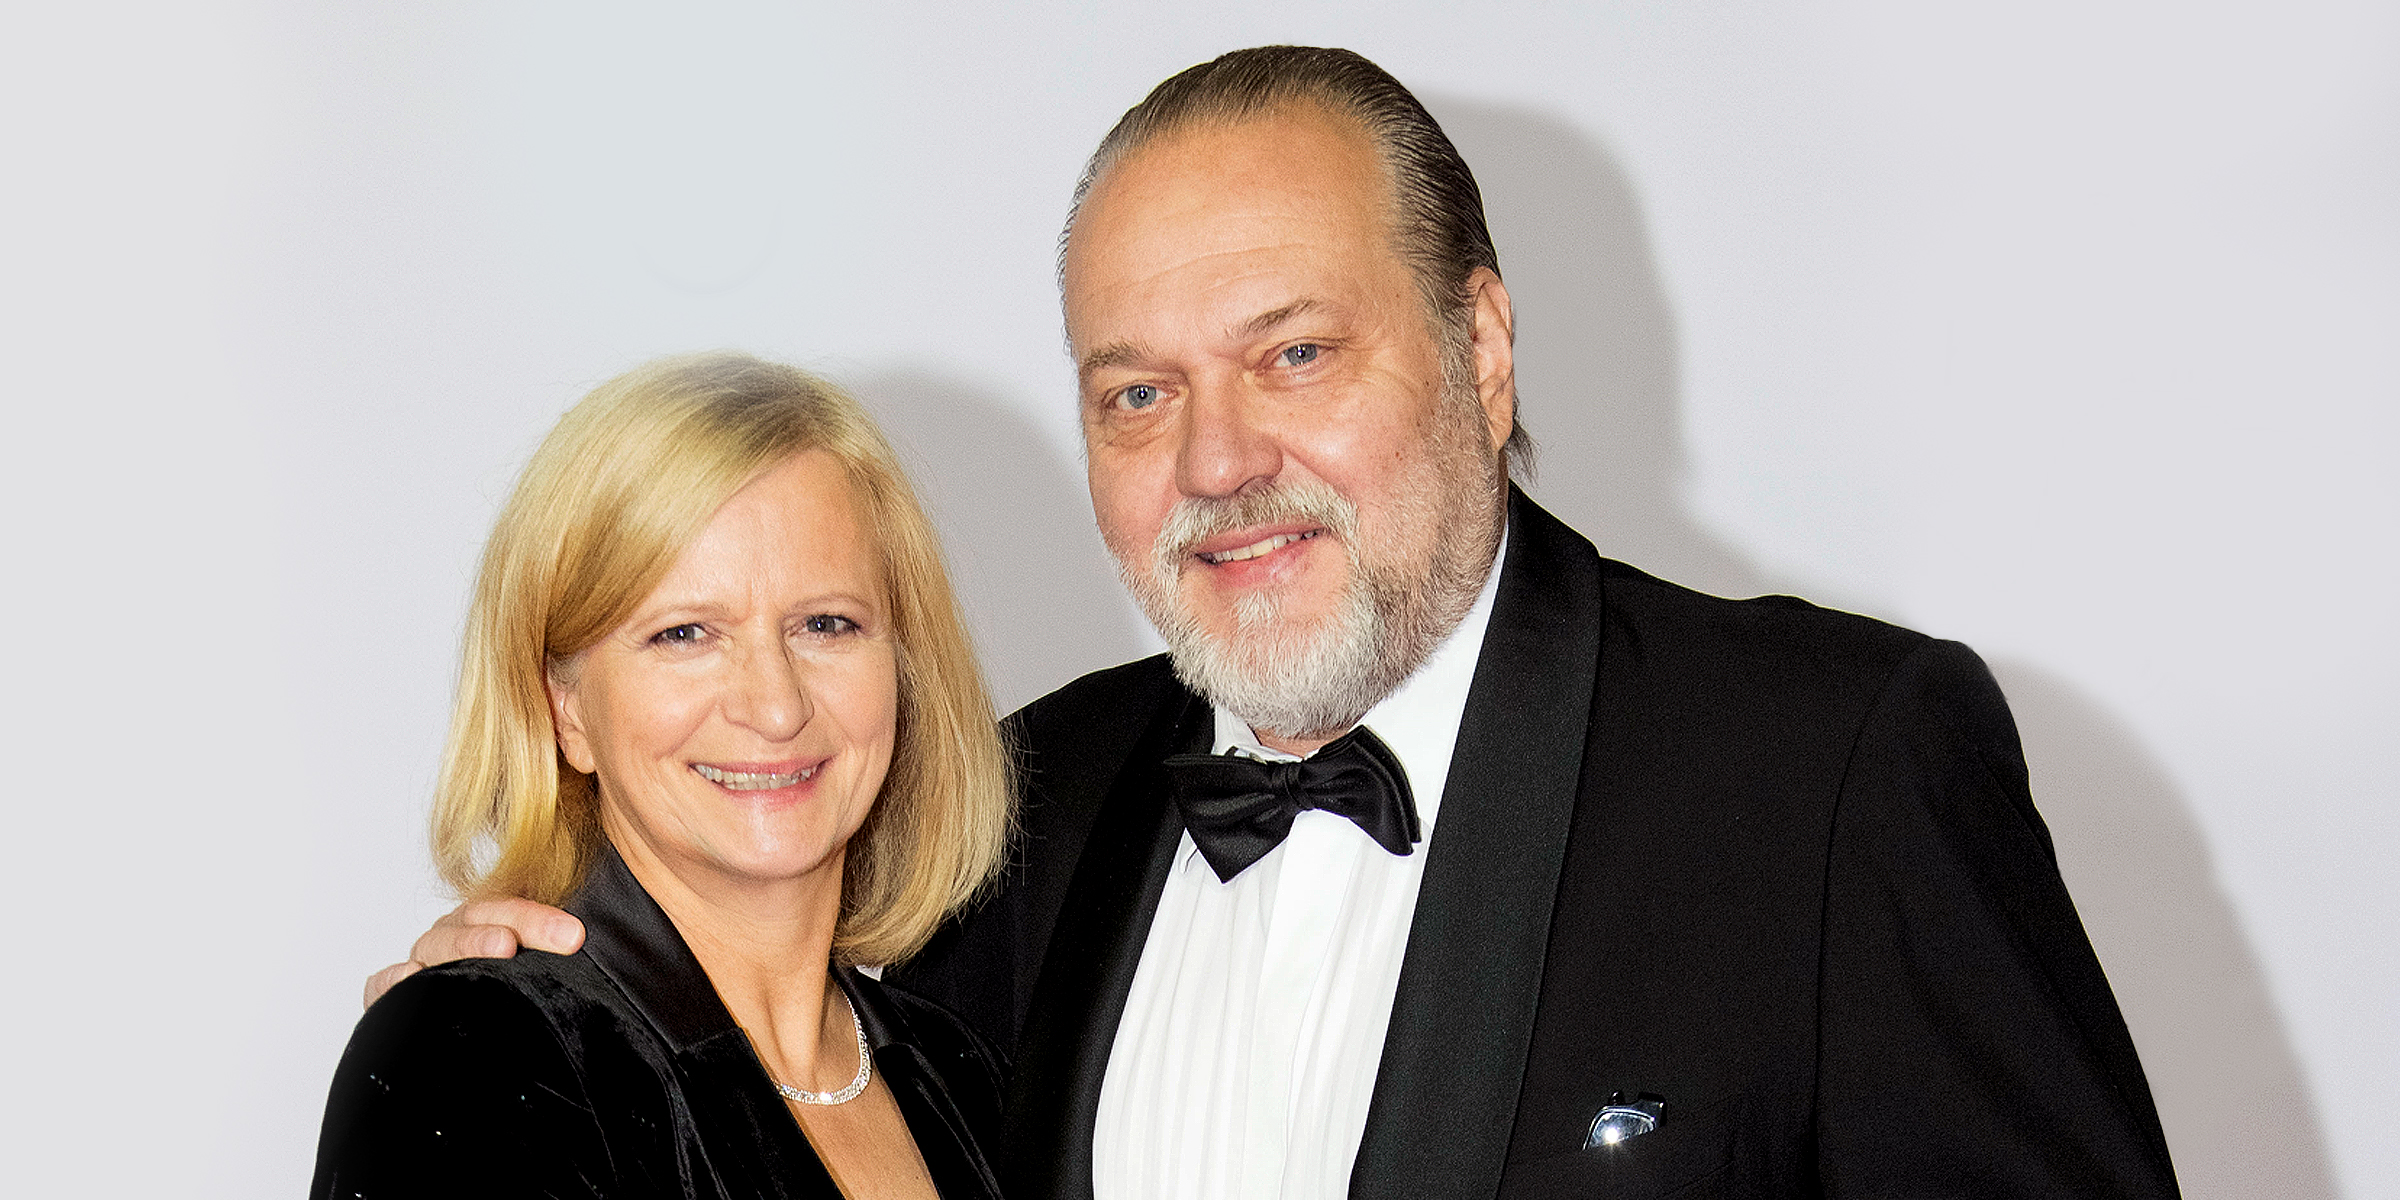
758,777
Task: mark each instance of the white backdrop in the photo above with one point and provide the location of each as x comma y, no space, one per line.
2070,330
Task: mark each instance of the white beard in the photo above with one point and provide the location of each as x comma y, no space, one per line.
1300,679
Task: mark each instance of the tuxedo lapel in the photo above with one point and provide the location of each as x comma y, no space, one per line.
1454,1057
1062,1054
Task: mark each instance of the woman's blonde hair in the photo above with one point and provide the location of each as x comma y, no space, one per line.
626,480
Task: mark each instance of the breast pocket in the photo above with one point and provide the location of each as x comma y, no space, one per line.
1688,1156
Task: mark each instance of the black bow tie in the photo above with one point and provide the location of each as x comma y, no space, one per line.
1238,808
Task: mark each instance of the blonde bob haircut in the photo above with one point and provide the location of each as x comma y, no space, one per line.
627,479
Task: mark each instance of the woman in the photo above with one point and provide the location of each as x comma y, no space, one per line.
716,698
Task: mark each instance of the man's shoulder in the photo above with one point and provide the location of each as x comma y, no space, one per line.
1096,711
1652,621
1650,627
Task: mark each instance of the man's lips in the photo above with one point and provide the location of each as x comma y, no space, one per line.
1242,547
758,777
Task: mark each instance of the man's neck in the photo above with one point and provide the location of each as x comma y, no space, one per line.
1299,747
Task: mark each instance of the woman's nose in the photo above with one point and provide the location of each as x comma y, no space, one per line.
768,694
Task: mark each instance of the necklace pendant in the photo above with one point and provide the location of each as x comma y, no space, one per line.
850,1091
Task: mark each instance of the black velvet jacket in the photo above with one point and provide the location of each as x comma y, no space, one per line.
616,1072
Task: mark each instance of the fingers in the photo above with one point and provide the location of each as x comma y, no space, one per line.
483,929
525,924
497,929
453,938
382,981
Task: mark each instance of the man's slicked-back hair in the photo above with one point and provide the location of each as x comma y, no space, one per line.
1436,209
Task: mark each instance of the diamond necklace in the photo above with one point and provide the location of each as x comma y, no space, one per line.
866,1068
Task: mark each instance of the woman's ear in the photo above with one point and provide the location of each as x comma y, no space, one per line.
566,716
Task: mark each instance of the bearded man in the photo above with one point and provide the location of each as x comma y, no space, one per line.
1440,856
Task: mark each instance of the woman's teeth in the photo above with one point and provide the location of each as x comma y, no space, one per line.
753,781
1263,546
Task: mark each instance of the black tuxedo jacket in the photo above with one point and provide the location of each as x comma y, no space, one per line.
1773,864
616,1072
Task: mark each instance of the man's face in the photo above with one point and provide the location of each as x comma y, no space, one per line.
1299,481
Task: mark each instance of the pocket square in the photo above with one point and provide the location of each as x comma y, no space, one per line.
1624,1117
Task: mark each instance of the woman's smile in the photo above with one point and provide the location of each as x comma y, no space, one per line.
757,777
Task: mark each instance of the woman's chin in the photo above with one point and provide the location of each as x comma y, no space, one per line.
774,865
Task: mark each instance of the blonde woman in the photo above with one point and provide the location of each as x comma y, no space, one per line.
718,703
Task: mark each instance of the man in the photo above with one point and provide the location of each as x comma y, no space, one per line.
1587,884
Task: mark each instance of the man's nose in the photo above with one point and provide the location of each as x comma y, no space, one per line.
768,692
1225,447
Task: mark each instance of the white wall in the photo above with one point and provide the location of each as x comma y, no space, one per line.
2070,330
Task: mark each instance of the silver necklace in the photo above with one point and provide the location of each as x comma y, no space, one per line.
866,1069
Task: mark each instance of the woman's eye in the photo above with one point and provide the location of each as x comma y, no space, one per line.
1301,355
827,624
680,635
1140,395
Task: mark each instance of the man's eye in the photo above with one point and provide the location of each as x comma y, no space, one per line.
680,635
828,623
1301,355
1140,395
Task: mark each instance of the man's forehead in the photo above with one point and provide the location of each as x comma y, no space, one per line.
1220,230
1226,185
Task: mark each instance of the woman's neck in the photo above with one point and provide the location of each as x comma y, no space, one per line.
766,947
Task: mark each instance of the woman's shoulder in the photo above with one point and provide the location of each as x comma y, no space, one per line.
460,1072
515,1074
515,1022
552,1018
534,985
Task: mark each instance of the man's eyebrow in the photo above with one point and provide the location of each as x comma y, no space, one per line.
1276,316
1114,354
1127,354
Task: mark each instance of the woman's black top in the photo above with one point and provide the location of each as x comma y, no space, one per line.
615,1071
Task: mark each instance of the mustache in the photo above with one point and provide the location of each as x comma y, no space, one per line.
1195,519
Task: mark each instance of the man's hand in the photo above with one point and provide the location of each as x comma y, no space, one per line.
483,929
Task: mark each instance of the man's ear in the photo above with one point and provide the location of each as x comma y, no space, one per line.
1492,342
566,716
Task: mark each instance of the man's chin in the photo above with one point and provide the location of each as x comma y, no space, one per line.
1291,611
1281,672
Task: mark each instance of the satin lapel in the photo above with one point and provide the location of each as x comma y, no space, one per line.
748,1137
1054,1090
1454,1059
754,1146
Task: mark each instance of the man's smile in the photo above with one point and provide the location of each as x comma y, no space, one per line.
1263,546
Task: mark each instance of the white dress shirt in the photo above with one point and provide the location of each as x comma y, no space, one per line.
1247,1054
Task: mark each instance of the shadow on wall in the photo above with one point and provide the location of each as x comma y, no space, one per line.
1596,344
2237,1110
1040,591
1597,367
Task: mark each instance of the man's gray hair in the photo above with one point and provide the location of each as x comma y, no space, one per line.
1437,211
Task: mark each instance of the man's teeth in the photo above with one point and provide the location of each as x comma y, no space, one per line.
1254,549
753,781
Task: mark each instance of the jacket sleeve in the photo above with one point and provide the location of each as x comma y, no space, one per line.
454,1085
1969,1043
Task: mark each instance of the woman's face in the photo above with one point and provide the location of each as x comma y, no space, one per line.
741,723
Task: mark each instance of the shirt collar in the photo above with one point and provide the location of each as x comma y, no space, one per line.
1420,719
